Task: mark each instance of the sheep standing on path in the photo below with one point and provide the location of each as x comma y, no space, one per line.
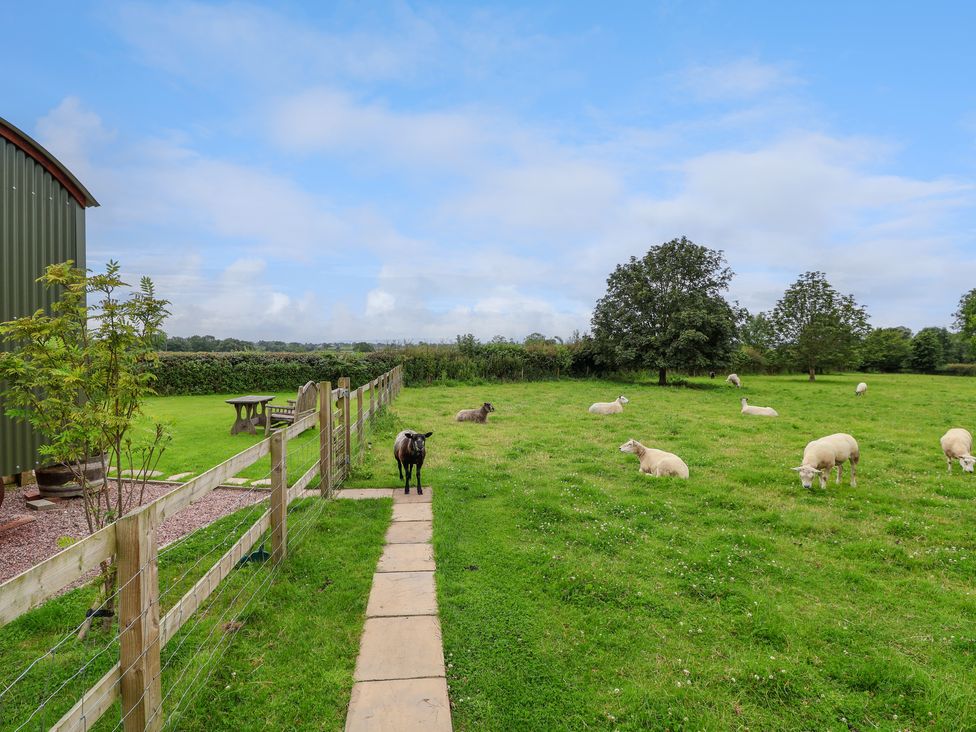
614,407
957,444
821,456
656,462
734,380
475,415
758,411
409,449
860,389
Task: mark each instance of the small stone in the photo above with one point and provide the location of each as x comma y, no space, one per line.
41,504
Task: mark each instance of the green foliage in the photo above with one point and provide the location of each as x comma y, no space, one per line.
927,351
886,349
815,326
79,374
667,310
965,321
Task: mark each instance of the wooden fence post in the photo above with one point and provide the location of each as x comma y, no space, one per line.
279,497
141,685
325,438
345,384
372,399
360,424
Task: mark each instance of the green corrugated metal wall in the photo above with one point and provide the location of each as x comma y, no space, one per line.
40,224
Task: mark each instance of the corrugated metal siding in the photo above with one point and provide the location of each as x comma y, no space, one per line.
40,224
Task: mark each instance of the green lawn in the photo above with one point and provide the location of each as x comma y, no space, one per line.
576,594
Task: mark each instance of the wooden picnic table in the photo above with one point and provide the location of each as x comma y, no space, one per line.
255,413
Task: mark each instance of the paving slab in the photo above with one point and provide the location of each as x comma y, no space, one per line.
402,593
400,497
41,504
409,532
262,481
142,473
407,558
179,476
364,493
404,705
236,481
400,648
413,512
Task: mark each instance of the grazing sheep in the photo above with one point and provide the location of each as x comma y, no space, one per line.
614,407
860,389
656,462
821,456
409,449
957,444
475,415
734,380
758,411
711,374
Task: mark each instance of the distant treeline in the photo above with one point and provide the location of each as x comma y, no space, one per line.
210,344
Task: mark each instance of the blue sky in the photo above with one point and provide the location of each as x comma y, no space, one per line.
346,171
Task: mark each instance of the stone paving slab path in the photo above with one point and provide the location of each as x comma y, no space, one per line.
400,683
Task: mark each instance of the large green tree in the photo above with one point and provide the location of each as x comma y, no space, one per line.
816,326
966,320
886,349
927,350
667,310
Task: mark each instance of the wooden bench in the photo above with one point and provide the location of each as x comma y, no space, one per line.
297,408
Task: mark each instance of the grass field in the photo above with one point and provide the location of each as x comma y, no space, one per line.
576,594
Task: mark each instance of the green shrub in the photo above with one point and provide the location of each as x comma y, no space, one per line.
959,369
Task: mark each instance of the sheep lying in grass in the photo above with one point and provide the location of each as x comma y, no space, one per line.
475,415
614,407
409,449
957,444
734,380
860,389
758,411
821,456
656,462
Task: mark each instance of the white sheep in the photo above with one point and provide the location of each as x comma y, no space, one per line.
860,389
957,444
656,462
758,411
614,407
821,456
734,380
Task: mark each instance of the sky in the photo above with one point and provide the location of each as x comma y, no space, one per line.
411,171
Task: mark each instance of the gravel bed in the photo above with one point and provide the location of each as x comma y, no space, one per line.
23,547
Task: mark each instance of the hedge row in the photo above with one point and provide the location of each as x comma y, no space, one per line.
225,373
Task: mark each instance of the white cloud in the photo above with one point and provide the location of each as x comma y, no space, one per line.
737,79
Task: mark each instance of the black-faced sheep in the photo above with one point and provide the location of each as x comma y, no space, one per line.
410,449
475,415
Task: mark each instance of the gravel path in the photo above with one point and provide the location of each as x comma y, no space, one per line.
23,547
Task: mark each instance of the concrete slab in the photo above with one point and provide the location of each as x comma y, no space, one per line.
400,648
140,473
402,593
409,532
262,481
364,493
400,497
179,476
413,512
407,558
236,481
41,504
405,705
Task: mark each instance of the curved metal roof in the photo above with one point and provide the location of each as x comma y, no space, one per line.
54,166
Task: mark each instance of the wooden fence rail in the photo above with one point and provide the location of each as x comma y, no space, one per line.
132,544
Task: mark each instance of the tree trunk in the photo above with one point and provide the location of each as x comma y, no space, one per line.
662,377
813,373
